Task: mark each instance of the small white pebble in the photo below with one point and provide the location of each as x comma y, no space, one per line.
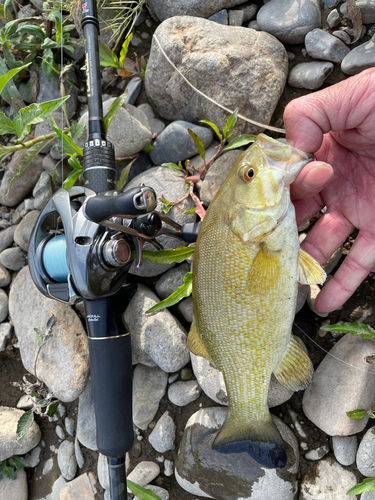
168,467
48,466
304,446
61,410
60,432
160,458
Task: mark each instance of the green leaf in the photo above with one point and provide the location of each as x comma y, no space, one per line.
109,57
164,200
11,27
19,462
76,130
52,408
31,56
242,140
181,292
76,172
173,166
361,329
124,176
55,16
5,15
9,58
370,359
47,63
32,30
192,211
10,92
148,148
168,256
198,141
115,106
357,414
43,403
214,127
7,471
32,152
229,126
6,78
69,146
371,415
367,485
6,124
124,49
48,44
141,492
24,423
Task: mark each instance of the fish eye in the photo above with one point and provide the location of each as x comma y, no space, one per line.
247,173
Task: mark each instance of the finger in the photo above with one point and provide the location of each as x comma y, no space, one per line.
307,208
313,178
354,269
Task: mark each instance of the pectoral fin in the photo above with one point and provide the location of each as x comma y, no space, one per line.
265,271
295,369
195,343
309,270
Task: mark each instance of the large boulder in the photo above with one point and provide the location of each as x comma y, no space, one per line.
238,67
170,8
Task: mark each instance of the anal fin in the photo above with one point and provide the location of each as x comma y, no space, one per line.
295,369
309,270
195,343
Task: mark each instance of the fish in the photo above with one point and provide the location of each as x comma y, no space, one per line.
246,268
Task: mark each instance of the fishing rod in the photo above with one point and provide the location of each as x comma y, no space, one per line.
82,248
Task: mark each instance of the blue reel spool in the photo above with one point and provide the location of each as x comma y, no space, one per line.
54,259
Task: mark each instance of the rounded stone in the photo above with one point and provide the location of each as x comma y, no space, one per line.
345,449
25,228
366,454
360,58
183,393
144,473
13,258
4,310
67,460
14,489
9,443
164,434
322,45
171,280
170,8
310,75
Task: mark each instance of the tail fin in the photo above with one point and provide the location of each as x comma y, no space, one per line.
262,441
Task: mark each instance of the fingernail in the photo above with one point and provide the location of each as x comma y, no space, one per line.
317,177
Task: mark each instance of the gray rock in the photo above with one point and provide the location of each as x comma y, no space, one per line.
13,258
24,229
174,144
168,468
183,393
129,130
197,160
317,453
366,454
6,331
345,449
231,476
14,489
26,11
367,10
310,75
67,460
165,182
207,53
58,485
254,25
327,480
25,402
134,88
337,387
109,75
217,175
48,465
164,434
149,386
249,12
343,36
161,492
220,17
42,192
322,45
82,487
156,125
330,3
290,20
86,421
171,280
32,457
79,456
360,58
185,307
157,338
69,426
24,184
368,495
60,432
46,127
9,443
144,473
103,472
49,90
333,18
63,362
164,9
236,17
7,237
61,410
79,49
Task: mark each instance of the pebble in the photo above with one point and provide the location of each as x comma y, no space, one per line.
66,460
310,75
164,434
220,17
322,45
64,363
290,20
171,280
149,385
48,466
330,3
254,25
79,456
60,432
157,339
160,492
25,227
236,17
9,443
156,125
333,18
6,331
82,487
42,191
4,276
366,454
136,41
185,307
367,10
168,468
345,449
229,476
318,453
183,393
327,480
359,59
186,373
164,10
249,12
86,421
7,237
172,378
103,472
134,88
32,458
343,36
368,495
189,42
14,489
13,258
338,388
69,426
61,410
144,473
58,485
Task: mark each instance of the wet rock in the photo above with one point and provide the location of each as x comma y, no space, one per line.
360,58
144,473
317,453
63,362
290,20
366,454
14,489
149,385
164,434
157,338
171,280
231,476
185,307
208,52
183,393
220,17
165,9
49,90
7,237
9,443
67,460
327,480
13,258
6,331
367,10
345,449
337,387
42,192
24,229
24,184
161,492
333,18
82,487
156,125
310,75
322,45
86,421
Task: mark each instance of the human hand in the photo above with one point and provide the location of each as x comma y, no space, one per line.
338,125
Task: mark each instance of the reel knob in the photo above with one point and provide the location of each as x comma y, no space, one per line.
116,252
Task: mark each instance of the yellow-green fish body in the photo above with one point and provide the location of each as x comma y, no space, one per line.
247,265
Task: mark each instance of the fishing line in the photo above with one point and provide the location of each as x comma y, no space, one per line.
62,91
268,127
333,356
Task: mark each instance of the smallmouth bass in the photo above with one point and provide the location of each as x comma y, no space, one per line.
246,269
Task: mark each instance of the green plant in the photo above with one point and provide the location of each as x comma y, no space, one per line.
10,465
125,66
142,493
